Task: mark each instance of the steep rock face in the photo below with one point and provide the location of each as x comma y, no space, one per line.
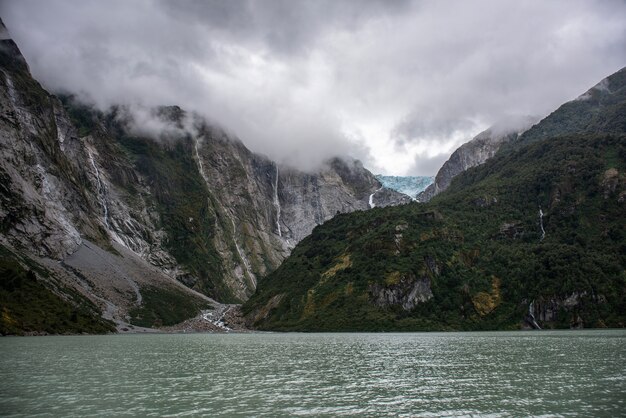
190,200
263,210
404,290
40,179
340,187
475,152
563,309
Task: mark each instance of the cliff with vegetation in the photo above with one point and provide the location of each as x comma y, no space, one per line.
144,214
533,237
475,152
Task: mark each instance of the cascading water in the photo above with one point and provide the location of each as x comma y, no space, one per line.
531,315
371,200
244,260
543,231
200,165
101,190
216,317
277,203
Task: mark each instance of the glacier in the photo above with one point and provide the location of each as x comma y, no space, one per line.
409,185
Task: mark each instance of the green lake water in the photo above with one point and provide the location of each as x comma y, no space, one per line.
566,373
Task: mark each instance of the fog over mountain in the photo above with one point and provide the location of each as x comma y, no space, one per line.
397,84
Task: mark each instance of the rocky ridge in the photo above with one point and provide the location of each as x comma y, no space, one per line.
475,152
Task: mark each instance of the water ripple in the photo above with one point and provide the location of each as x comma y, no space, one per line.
495,374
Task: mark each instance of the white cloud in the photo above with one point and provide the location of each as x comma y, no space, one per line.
389,82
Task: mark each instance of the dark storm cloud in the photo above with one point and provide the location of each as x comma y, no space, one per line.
284,26
395,82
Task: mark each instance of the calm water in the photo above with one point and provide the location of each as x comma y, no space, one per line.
498,374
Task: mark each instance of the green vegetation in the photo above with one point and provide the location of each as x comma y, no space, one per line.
184,206
601,110
31,302
178,192
84,118
12,62
475,255
479,247
165,306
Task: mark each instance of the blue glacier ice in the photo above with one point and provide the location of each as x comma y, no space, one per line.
409,185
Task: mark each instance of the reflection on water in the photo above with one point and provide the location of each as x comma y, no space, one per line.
426,374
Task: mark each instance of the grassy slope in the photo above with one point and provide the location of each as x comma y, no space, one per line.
481,277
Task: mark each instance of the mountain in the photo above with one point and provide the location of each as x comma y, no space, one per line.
105,214
408,185
475,152
533,237
599,109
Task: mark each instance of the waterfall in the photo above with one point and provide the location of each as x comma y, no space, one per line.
543,231
371,200
277,203
10,88
201,170
200,166
243,259
101,189
531,316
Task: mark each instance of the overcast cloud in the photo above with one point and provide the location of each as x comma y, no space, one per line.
398,84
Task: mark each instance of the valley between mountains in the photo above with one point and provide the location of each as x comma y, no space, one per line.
105,227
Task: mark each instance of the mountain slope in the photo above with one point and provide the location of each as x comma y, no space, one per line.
600,109
475,152
225,215
533,237
186,203
477,258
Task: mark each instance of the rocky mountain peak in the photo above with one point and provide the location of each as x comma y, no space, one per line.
4,32
10,54
475,152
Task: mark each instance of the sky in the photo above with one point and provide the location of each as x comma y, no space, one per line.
397,84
